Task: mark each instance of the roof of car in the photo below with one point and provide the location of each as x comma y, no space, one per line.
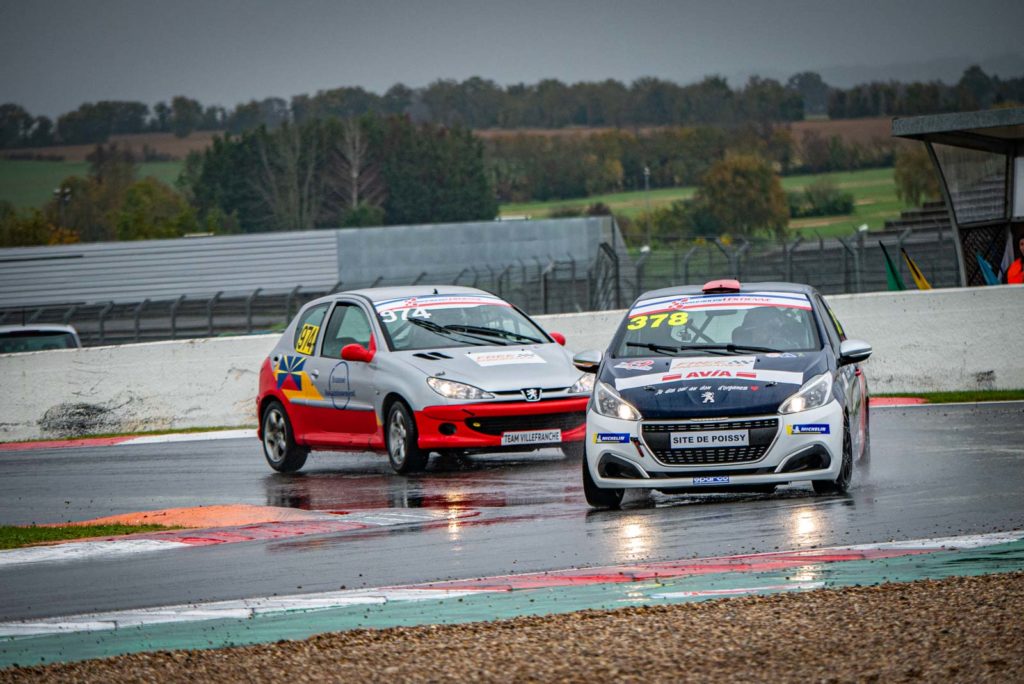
745,287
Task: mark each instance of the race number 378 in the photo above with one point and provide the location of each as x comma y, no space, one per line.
307,339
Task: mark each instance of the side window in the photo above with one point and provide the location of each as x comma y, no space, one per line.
308,329
832,326
348,325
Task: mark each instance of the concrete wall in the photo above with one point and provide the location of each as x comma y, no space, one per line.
957,339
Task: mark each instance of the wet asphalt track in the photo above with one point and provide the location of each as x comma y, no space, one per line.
935,471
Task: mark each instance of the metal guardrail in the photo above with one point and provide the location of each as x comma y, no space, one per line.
552,284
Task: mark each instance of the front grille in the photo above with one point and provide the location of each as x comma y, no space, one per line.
495,425
657,436
717,456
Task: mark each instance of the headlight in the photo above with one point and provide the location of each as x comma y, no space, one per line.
585,385
816,392
607,402
457,390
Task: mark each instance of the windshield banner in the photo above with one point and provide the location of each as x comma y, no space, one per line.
704,302
438,302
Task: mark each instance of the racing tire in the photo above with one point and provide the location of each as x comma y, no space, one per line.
842,482
574,449
597,497
279,447
404,454
864,461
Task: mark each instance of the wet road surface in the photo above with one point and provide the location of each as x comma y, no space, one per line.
935,471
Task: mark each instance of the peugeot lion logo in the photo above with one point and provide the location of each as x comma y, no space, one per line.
532,394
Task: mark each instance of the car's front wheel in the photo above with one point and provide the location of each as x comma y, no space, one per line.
597,497
279,447
404,453
842,482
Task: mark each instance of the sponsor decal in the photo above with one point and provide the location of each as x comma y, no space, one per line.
709,438
637,364
530,437
787,300
532,394
808,429
771,376
293,381
782,355
734,388
611,438
438,302
504,358
732,363
339,389
715,479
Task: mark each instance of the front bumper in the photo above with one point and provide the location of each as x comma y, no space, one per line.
481,425
801,449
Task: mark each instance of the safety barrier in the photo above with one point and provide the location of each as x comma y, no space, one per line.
937,340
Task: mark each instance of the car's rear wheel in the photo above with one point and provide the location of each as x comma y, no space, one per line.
404,453
597,497
842,482
279,447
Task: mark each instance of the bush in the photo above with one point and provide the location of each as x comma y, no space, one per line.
821,198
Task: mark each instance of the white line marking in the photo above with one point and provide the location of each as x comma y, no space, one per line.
969,541
745,590
190,437
80,550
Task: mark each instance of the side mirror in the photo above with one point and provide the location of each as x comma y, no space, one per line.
588,361
853,351
356,352
558,337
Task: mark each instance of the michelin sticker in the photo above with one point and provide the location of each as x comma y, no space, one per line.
809,429
611,438
504,358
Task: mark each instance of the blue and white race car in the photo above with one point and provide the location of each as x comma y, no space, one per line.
725,387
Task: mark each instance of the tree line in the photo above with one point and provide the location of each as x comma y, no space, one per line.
481,103
323,173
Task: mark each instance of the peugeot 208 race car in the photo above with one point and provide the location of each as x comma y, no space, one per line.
413,370
725,387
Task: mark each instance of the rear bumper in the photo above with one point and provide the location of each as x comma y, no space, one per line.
450,426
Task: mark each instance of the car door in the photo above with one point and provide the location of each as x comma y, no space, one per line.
851,378
291,363
346,417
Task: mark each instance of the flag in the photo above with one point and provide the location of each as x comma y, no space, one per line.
986,270
892,276
915,272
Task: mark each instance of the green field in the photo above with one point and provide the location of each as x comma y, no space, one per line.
31,183
874,195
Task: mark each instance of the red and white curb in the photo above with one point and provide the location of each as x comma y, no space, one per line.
148,542
751,563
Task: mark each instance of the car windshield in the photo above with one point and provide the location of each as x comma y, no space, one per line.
438,321
719,323
35,340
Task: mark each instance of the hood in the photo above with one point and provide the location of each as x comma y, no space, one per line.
662,387
498,368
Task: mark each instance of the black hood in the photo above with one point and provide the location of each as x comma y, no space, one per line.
707,386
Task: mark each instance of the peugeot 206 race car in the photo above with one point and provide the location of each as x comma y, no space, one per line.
413,370
725,387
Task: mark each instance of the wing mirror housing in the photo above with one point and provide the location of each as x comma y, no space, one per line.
558,337
357,352
853,351
588,361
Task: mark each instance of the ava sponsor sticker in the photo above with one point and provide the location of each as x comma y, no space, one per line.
710,438
530,437
504,358
808,429
611,438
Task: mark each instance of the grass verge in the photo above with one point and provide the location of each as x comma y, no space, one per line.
956,397
15,537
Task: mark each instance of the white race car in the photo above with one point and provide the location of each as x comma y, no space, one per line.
725,387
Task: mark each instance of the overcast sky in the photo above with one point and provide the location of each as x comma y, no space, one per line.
56,54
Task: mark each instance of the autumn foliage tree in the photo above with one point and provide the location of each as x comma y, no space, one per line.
743,194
